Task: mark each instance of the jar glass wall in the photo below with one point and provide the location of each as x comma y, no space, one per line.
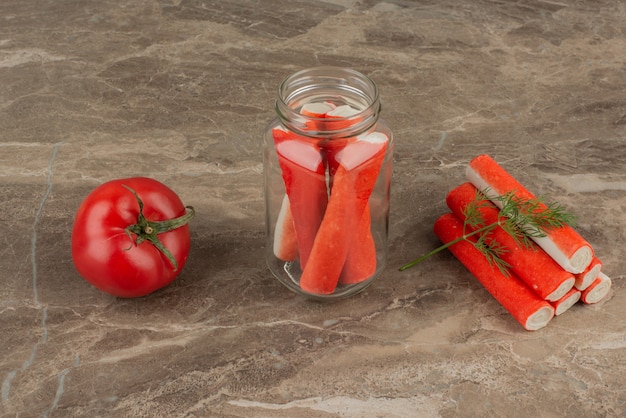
327,172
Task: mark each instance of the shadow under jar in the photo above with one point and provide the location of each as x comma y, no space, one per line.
327,172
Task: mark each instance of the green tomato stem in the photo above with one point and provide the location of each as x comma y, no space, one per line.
146,230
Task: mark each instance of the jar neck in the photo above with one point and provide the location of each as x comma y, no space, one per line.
334,85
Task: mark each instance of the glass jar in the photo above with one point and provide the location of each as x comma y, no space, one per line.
327,172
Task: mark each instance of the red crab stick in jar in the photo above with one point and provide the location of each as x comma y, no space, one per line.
523,304
564,244
597,290
305,183
361,259
532,265
359,164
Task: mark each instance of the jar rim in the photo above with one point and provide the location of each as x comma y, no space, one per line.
328,83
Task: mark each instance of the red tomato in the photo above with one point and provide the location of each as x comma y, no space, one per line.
110,247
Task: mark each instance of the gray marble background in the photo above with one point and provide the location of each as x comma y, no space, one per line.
181,90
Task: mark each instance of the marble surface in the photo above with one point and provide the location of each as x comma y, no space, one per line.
180,90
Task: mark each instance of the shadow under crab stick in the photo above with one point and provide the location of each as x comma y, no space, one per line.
285,239
359,164
361,259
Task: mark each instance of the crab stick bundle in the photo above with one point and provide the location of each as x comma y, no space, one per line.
584,279
359,164
305,183
532,265
597,290
566,301
564,244
523,304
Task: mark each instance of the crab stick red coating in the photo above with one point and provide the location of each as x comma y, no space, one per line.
305,183
360,262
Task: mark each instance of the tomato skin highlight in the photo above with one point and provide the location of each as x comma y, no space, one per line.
108,258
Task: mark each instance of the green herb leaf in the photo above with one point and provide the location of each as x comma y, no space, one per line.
522,219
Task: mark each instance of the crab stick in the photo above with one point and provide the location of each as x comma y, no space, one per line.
567,301
564,244
361,258
532,265
597,290
305,183
359,164
285,240
327,116
523,304
584,279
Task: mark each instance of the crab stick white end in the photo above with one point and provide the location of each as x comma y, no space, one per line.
567,301
597,290
584,279
285,240
561,291
539,319
303,154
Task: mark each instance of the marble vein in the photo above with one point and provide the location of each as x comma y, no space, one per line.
6,384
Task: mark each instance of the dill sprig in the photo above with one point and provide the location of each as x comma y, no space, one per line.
522,219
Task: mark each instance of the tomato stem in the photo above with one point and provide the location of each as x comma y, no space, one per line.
146,230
